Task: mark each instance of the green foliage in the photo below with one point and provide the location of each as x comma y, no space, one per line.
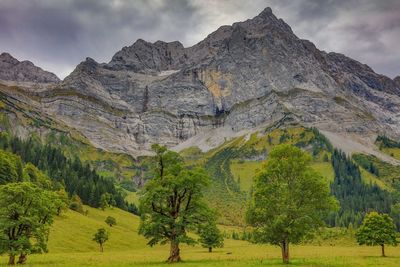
377,230
385,142
241,157
10,168
320,142
171,203
76,177
356,198
76,204
289,199
100,237
111,221
386,172
395,214
34,175
366,164
106,201
128,185
62,203
26,213
210,236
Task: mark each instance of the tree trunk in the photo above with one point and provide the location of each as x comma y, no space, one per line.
11,260
22,258
210,249
174,255
285,251
383,250
101,247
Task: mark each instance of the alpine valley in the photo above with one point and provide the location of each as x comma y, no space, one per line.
222,104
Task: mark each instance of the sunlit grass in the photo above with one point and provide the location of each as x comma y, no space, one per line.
71,244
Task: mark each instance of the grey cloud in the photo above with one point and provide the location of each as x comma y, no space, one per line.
57,35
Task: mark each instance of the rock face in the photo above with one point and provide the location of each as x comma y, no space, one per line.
251,74
23,71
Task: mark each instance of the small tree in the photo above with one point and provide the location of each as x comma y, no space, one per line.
101,236
111,221
106,201
289,199
171,203
210,236
63,202
26,213
377,230
76,204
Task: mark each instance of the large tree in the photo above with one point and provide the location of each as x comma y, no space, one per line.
26,213
289,199
377,230
171,203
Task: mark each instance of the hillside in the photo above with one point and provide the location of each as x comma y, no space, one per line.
70,244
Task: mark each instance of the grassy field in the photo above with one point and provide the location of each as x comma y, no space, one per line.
71,244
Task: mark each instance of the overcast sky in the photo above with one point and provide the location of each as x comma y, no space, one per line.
57,35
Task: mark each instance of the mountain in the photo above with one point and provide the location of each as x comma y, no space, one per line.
254,74
23,71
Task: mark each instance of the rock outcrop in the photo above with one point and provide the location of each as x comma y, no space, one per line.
251,74
23,71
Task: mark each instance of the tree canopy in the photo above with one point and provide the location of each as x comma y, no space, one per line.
110,221
100,237
171,203
26,213
210,236
377,230
289,199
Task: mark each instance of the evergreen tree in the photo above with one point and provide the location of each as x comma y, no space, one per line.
77,178
356,198
210,236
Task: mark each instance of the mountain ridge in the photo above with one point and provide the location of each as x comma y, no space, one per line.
23,71
241,77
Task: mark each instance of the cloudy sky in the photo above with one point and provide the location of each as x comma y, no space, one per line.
57,35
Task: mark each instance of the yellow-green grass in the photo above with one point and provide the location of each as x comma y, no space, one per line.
370,178
71,244
73,232
245,170
394,152
235,253
325,169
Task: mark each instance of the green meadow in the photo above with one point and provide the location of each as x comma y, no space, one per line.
70,244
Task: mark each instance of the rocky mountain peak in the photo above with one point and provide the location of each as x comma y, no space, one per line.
7,58
397,80
12,69
146,57
242,76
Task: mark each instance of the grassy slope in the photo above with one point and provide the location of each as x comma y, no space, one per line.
394,152
70,245
388,173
